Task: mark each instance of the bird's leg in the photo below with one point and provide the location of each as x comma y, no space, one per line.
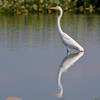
67,51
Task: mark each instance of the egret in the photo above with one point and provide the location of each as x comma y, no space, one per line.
66,63
67,40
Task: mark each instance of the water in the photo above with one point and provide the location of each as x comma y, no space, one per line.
31,53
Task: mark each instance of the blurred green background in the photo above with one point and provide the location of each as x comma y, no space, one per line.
19,7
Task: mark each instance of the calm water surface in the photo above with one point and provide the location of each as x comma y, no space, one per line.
31,53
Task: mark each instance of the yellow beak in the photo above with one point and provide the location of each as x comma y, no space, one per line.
52,8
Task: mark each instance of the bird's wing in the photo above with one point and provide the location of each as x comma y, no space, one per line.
70,42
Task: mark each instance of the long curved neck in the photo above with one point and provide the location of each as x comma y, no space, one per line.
58,21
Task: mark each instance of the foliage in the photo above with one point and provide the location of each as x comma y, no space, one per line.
41,6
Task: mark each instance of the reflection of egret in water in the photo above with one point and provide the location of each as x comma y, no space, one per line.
66,63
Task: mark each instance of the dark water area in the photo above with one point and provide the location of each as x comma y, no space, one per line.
31,53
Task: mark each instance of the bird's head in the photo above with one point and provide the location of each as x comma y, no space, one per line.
56,8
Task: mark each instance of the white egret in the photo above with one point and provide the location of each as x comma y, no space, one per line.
66,63
71,43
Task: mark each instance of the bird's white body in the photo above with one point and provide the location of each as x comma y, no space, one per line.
71,43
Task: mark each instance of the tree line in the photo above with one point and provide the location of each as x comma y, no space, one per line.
42,6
